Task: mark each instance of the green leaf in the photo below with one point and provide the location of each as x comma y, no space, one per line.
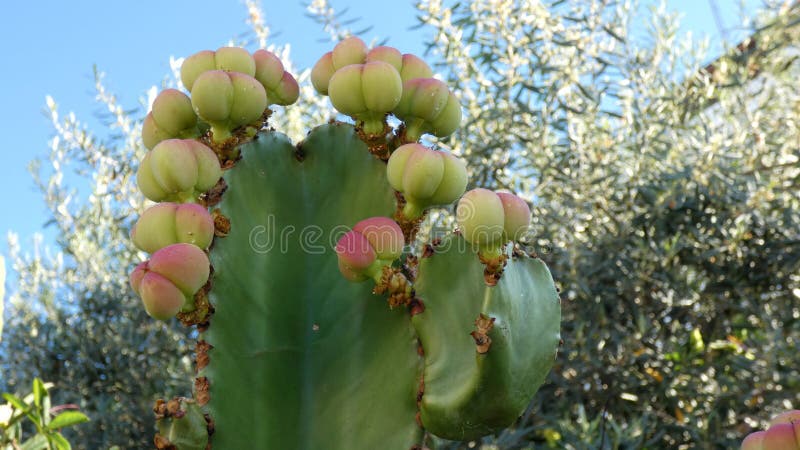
16,402
39,392
60,442
38,442
66,419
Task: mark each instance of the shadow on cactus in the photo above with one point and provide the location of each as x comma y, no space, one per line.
318,328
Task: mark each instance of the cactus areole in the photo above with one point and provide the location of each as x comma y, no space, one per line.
317,327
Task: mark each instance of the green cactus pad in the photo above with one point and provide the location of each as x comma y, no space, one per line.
301,357
470,394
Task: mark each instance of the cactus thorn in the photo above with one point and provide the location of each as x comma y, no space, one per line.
201,393
494,268
483,325
222,225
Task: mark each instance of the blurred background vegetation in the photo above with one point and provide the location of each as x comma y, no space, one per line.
666,200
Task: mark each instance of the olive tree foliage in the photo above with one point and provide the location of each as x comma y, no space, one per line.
666,200
71,317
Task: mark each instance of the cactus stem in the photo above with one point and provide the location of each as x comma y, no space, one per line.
413,211
408,225
412,131
220,134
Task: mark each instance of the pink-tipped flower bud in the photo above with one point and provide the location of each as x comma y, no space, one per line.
425,177
491,219
178,170
384,235
517,216
753,441
167,283
792,416
228,100
172,116
171,223
781,436
280,86
355,251
428,106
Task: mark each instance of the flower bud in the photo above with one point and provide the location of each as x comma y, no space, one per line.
425,177
781,436
280,86
753,441
348,51
384,235
167,283
517,216
228,100
235,59
322,72
480,217
355,252
366,92
178,170
171,223
172,116
428,106
195,65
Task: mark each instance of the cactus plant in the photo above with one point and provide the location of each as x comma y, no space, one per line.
318,327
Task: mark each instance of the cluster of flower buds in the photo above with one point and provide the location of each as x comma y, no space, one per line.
168,281
783,434
425,177
178,170
176,232
489,219
369,85
370,246
231,88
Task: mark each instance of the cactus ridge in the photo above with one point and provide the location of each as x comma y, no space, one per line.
315,320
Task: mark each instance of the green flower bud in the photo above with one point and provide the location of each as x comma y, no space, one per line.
414,67
454,181
349,51
425,177
228,100
171,223
366,92
178,170
480,216
388,55
280,86
151,133
172,117
235,59
322,72
195,65
428,106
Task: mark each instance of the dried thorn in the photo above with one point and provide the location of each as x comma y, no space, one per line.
222,225
201,387
163,443
377,143
214,195
494,269
202,308
160,409
420,349
210,426
201,354
483,325
410,267
418,419
416,306
396,285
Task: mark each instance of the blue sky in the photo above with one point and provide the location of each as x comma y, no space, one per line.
51,47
